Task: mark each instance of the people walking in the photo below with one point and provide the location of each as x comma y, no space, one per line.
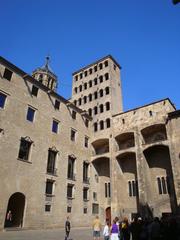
114,231
9,219
67,228
125,230
96,228
106,232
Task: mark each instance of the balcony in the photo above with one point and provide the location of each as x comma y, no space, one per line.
86,180
52,171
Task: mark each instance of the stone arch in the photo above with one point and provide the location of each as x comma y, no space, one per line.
102,166
125,140
16,205
154,133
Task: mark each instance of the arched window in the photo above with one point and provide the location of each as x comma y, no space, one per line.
90,97
95,110
90,111
95,68
90,83
80,88
100,66
101,123
107,106
101,93
101,108
95,81
100,79
85,73
85,99
107,90
79,101
108,123
95,95
106,76
75,102
106,63
75,90
95,127
90,71
85,86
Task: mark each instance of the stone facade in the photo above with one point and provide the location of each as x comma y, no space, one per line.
83,156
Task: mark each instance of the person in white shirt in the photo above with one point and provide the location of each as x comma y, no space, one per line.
106,231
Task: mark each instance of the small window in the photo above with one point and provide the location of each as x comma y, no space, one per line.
106,190
150,113
85,194
100,79
47,208
24,149
100,66
85,73
94,196
86,122
34,91
57,104
106,63
90,71
107,90
30,114
85,99
75,102
81,75
85,86
70,191
7,74
90,97
123,121
51,163
90,83
101,123
2,100
73,135
49,187
75,90
86,142
90,111
101,108
95,95
106,76
95,81
55,126
114,67
73,114
95,127
108,123
68,209
101,93
95,68
85,210
79,101
107,106
95,110
95,208
76,77
80,88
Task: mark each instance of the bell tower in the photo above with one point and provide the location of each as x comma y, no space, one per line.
46,76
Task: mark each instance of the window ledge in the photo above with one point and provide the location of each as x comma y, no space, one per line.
70,198
22,160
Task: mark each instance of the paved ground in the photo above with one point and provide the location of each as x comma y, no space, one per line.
53,234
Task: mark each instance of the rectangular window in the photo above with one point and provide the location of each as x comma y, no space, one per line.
2,100
163,185
55,126
24,149
73,114
57,104
95,196
49,187
34,91
73,135
70,191
71,164
106,190
85,210
85,194
7,74
47,208
95,208
86,141
69,209
30,114
51,162
133,188
109,190
85,172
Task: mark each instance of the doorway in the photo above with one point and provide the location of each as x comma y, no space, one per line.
16,205
108,215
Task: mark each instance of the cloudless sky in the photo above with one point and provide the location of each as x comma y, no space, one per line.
143,36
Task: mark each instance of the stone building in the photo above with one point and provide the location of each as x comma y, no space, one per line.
83,156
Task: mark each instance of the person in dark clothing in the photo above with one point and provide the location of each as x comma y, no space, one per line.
135,228
67,228
125,229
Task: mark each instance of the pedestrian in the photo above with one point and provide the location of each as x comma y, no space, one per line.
9,219
155,229
96,228
106,231
67,228
125,229
114,231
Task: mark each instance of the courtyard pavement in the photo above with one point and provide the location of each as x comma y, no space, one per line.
49,234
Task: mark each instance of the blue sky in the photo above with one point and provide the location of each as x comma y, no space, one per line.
143,36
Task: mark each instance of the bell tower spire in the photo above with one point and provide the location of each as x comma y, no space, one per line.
45,75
